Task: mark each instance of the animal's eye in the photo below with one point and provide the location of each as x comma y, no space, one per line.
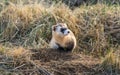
63,29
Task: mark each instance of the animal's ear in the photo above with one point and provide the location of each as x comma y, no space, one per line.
65,24
54,27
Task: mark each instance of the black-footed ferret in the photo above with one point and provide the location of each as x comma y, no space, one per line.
62,38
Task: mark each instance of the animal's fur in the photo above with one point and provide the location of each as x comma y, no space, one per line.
66,42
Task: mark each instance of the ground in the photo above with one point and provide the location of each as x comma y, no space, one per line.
54,62
46,61
70,64
62,63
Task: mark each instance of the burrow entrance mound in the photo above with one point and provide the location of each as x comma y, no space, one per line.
64,63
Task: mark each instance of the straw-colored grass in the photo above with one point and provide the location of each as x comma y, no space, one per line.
30,25
111,62
25,26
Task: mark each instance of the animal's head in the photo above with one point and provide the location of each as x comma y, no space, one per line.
60,29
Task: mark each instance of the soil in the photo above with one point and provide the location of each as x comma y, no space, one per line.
54,62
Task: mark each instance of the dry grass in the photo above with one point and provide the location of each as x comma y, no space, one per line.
30,25
111,62
25,26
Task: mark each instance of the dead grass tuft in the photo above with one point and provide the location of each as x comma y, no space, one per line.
111,63
18,52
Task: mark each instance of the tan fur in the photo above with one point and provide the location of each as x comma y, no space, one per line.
63,40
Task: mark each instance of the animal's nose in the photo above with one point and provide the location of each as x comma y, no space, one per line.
68,31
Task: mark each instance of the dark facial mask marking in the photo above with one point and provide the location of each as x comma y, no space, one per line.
63,30
54,28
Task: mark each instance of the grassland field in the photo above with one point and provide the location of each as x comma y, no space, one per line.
25,32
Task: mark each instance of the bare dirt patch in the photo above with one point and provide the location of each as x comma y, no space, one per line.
62,63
